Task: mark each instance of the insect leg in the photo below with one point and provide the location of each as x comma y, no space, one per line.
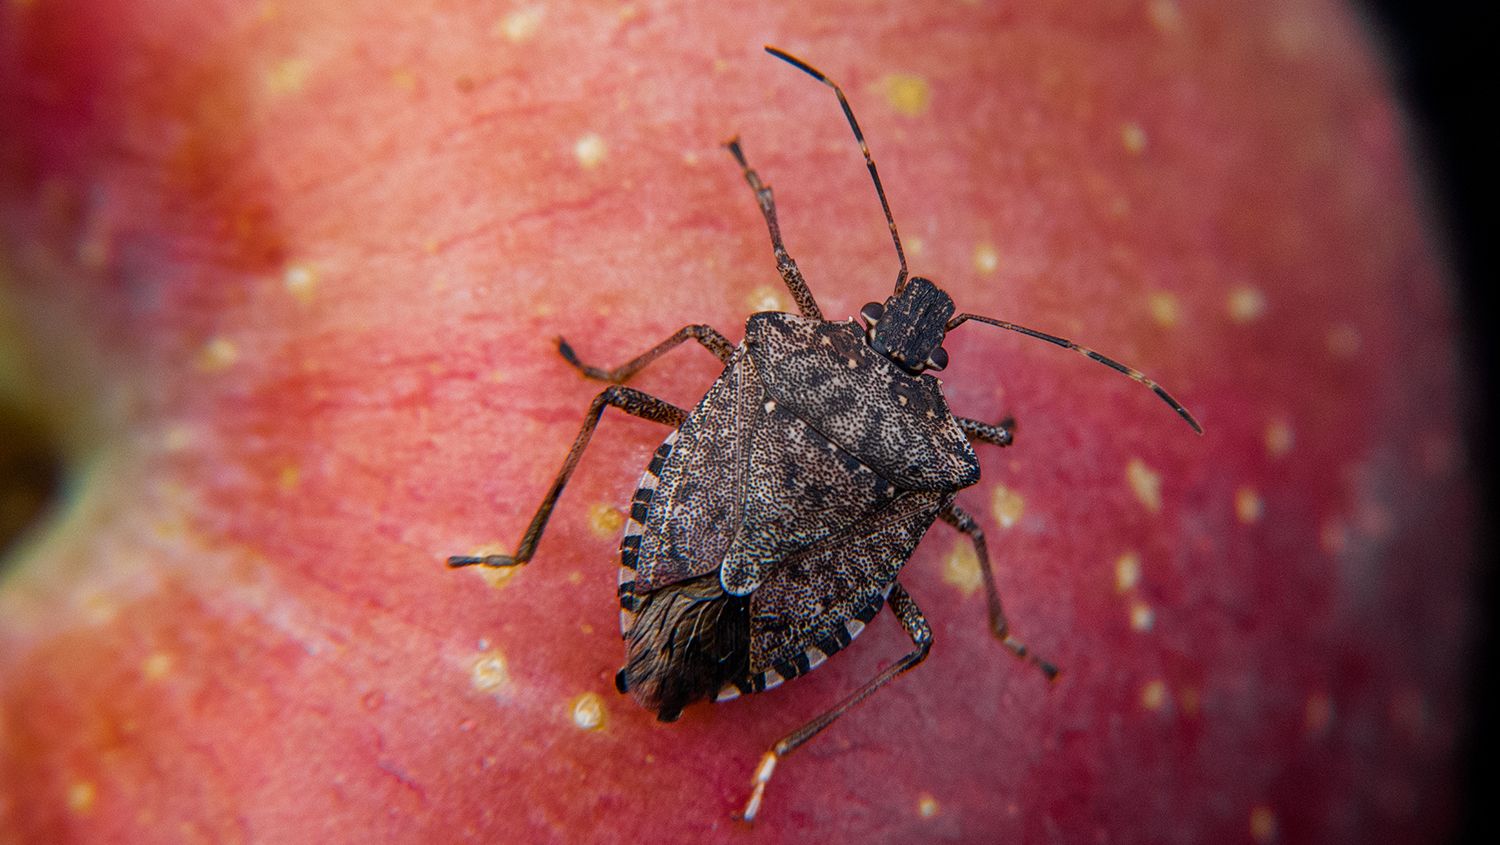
784,263
1002,433
626,399
965,523
706,335
906,610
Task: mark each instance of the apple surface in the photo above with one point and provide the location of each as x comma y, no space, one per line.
284,281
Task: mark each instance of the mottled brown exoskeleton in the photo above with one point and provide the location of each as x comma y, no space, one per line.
772,523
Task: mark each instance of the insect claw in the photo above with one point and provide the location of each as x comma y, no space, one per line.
762,776
485,560
1047,669
566,350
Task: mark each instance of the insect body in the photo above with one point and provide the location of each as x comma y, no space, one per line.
773,522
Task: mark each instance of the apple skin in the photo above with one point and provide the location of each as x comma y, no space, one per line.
286,277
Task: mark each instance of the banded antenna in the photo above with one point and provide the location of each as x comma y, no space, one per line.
1088,353
864,148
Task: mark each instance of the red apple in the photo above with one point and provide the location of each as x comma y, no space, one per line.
285,280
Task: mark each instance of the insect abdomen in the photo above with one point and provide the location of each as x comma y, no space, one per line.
686,642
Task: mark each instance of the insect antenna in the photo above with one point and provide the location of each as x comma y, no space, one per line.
865,148
1087,353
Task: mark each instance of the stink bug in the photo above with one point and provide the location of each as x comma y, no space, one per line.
772,523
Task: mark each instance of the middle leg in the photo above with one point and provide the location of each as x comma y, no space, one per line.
627,399
706,335
966,524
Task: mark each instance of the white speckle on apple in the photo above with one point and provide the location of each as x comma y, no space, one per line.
1127,571
1006,504
986,258
588,711
1246,304
490,675
1248,505
1142,617
1154,694
1279,437
157,666
590,151
1145,483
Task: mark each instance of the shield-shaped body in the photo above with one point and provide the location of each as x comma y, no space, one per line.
770,527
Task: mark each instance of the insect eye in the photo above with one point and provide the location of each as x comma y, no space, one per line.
938,360
871,313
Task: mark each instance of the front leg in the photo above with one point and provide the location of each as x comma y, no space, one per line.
1002,433
627,399
790,275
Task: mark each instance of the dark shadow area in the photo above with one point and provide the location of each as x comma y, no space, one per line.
31,471
1443,65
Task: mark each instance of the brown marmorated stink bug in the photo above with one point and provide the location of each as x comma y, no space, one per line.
772,523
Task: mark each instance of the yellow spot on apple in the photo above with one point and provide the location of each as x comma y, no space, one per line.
765,298
1279,438
1165,16
1248,505
1246,304
907,94
1006,504
1154,694
961,569
588,712
986,258
1127,572
490,675
590,151
1142,617
217,355
404,79
1343,341
1145,483
157,665
289,477
81,797
1133,137
605,520
914,246
522,24
1165,309
927,806
1262,823
287,76
299,281
1317,713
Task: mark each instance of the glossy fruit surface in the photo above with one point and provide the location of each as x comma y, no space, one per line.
285,277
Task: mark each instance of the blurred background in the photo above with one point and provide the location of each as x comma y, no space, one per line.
1442,58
